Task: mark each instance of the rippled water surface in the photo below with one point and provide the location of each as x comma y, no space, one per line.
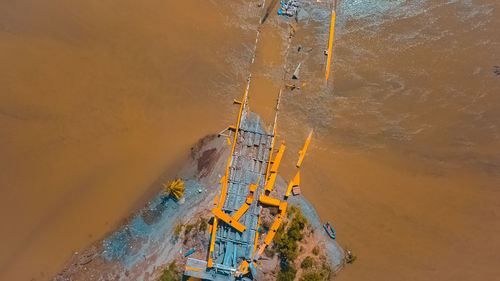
99,98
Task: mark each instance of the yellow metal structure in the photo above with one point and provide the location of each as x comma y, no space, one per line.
241,211
228,219
270,182
251,194
255,243
274,169
294,182
248,202
277,159
212,243
243,268
269,201
302,153
276,223
222,196
271,153
330,45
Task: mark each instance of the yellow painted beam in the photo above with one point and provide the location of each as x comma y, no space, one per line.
270,154
251,193
276,224
294,182
226,178
222,179
330,45
274,228
302,153
228,219
193,269
270,183
282,207
289,189
277,159
253,187
249,199
223,192
243,267
256,240
212,244
269,201
261,249
240,212
274,169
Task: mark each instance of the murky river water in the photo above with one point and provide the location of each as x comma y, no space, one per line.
98,98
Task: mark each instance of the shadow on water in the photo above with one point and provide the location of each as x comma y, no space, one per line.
269,10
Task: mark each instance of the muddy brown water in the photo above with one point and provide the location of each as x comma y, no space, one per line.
98,98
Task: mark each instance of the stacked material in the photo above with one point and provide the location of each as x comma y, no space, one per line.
296,190
288,8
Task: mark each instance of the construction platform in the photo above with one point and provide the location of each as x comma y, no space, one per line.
238,216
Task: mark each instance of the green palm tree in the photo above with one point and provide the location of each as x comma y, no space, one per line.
175,189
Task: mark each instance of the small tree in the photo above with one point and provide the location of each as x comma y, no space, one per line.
307,263
178,229
175,189
203,224
187,230
287,274
316,250
312,276
170,273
